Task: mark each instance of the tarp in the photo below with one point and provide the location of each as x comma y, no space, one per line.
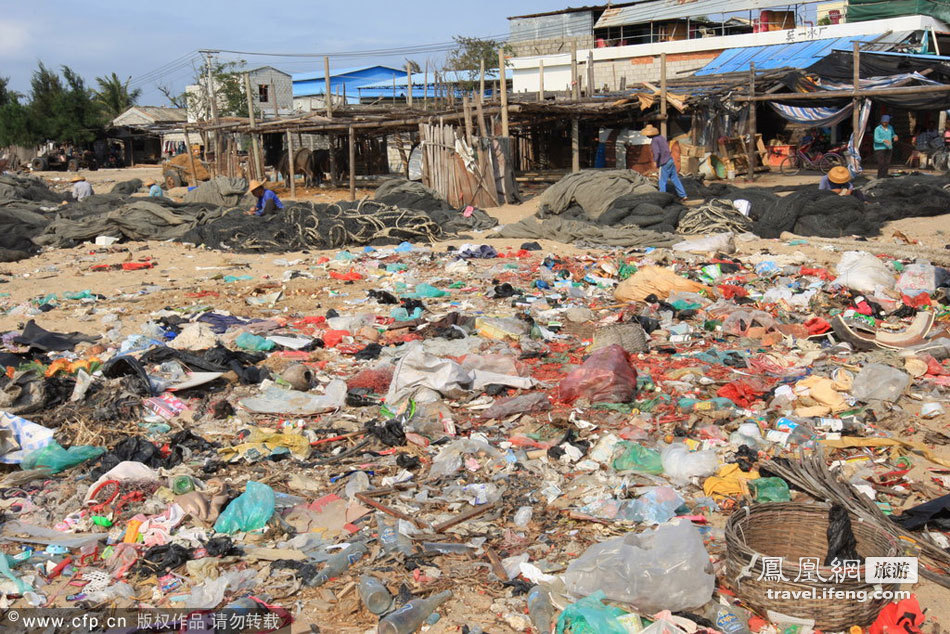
819,117
864,10
837,65
774,56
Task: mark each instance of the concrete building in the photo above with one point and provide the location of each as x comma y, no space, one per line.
147,133
269,87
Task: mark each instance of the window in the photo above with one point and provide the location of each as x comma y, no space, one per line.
262,93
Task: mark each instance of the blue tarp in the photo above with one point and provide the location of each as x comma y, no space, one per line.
798,55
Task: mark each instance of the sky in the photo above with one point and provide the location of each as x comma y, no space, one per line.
156,43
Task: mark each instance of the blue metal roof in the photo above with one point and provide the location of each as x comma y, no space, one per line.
311,84
794,55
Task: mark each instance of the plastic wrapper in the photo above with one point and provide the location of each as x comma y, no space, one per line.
277,400
249,511
606,377
770,490
57,459
590,616
656,506
635,457
665,568
879,382
918,277
680,464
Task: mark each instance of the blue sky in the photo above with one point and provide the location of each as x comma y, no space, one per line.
97,37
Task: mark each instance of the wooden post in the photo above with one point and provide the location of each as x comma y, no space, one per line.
352,134
425,90
482,131
663,126
541,80
503,82
481,78
575,86
751,150
409,84
326,87
255,163
467,113
575,145
290,164
856,84
591,88
191,160
334,181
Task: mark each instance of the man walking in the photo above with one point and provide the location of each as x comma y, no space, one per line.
663,159
884,138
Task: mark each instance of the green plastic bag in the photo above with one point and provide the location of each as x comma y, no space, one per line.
590,616
249,511
57,459
249,341
638,458
770,490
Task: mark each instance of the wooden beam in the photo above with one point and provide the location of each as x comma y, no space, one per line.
480,116
425,90
467,108
750,147
844,94
409,84
481,78
352,135
504,92
541,80
591,89
326,87
575,145
290,165
663,126
856,85
255,162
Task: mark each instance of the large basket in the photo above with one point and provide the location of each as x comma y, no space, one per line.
793,531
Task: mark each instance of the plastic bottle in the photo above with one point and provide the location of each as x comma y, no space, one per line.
540,609
728,620
411,616
375,595
339,562
390,538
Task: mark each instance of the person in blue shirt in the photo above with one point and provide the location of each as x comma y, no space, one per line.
884,139
154,189
663,159
838,180
267,201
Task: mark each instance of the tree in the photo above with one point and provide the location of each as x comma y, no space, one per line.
114,96
414,66
61,108
179,100
14,120
470,52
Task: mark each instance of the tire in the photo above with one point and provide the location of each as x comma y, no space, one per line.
72,165
830,160
39,164
790,166
172,179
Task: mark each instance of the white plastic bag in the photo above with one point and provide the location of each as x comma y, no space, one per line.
921,276
680,464
863,272
879,382
713,243
662,569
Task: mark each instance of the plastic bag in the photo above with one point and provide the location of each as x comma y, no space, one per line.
249,341
842,544
712,243
57,459
917,277
606,377
249,511
590,616
770,490
661,569
681,464
277,400
863,272
636,457
879,382
656,506
210,594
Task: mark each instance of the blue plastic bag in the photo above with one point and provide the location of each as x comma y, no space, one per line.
249,511
57,459
590,616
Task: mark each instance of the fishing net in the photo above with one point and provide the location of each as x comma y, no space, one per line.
716,216
127,187
657,211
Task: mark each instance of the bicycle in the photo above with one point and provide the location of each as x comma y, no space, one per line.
792,165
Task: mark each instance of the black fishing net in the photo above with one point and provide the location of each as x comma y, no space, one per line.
127,187
302,226
657,211
413,195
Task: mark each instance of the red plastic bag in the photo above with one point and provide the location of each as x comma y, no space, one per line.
351,276
895,618
606,377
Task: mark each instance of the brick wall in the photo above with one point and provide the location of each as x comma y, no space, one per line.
640,69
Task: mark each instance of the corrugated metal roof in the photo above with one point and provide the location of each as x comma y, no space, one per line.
656,10
794,55
419,79
341,72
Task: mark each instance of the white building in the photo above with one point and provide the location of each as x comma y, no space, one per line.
270,88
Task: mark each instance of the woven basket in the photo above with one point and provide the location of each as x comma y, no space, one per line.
629,336
792,531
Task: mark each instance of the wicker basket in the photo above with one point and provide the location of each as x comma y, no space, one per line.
629,336
792,531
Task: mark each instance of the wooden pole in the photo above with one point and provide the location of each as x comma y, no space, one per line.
409,84
481,78
352,135
503,82
255,163
846,93
467,110
575,145
290,163
663,126
482,131
591,89
541,80
856,86
191,160
575,86
326,87
751,149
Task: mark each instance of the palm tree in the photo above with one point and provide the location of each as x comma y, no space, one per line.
114,96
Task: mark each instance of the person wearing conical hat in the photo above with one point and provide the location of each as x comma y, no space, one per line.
267,201
81,187
663,159
154,189
838,180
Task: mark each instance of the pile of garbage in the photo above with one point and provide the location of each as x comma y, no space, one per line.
487,440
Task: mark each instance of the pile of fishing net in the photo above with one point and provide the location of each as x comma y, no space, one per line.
594,191
304,226
656,211
716,216
223,190
17,188
405,194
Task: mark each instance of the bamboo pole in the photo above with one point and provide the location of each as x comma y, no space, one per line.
482,131
256,161
856,85
425,90
575,145
409,85
750,149
844,94
481,78
326,87
590,74
290,165
664,129
541,80
352,134
575,86
504,92
467,110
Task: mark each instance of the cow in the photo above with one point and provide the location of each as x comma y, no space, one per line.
303,164
321,164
